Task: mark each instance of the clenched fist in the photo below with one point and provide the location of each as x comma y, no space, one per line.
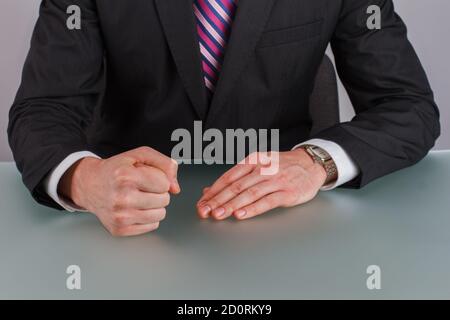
128,193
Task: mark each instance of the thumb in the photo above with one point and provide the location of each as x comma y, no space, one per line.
153,158
174,184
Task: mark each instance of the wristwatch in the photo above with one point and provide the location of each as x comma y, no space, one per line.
323,158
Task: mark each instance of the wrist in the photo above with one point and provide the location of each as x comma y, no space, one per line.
308,162
323,158
75,180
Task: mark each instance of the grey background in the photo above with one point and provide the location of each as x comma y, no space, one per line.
426,19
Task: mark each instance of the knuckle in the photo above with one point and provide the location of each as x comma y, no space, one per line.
123,159
213,203
122,181
158,215
163,214
115,205
236,188
154,226
165,199
200,204
126,158
253,192
144,149
113,201
119,172
225,178
165,185
228,179
121,176
120,220
116,231
159,179
121,200
173,166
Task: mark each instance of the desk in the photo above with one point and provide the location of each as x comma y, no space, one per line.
319,250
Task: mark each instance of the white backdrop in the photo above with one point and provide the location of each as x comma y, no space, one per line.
427,20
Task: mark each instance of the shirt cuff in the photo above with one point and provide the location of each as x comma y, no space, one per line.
346,167
52,180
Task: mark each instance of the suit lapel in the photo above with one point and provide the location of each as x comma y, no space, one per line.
177,17
249,23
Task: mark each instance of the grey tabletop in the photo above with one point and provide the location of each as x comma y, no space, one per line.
400,223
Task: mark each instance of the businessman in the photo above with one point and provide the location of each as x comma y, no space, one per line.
91,125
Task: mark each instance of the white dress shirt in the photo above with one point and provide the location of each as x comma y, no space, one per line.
346,167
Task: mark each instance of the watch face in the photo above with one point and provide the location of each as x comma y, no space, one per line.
322,154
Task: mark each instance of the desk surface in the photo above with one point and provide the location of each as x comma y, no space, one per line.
319,250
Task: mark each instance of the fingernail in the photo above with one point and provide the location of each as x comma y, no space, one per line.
240,213
174,189
205,210
219,212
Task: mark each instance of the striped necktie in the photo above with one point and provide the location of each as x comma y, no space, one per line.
214,21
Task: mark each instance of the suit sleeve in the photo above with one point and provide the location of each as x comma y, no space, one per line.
62,82
397,120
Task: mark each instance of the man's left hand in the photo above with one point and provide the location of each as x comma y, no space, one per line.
245,192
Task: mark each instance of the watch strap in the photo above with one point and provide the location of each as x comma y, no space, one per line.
326,162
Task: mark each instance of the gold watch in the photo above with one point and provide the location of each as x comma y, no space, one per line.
323,158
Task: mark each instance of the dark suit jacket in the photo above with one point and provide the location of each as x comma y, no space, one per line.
132,75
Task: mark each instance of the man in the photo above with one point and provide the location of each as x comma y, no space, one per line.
96,102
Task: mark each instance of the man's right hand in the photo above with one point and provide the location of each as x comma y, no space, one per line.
128,193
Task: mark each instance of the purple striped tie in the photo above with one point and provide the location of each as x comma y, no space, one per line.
214,20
